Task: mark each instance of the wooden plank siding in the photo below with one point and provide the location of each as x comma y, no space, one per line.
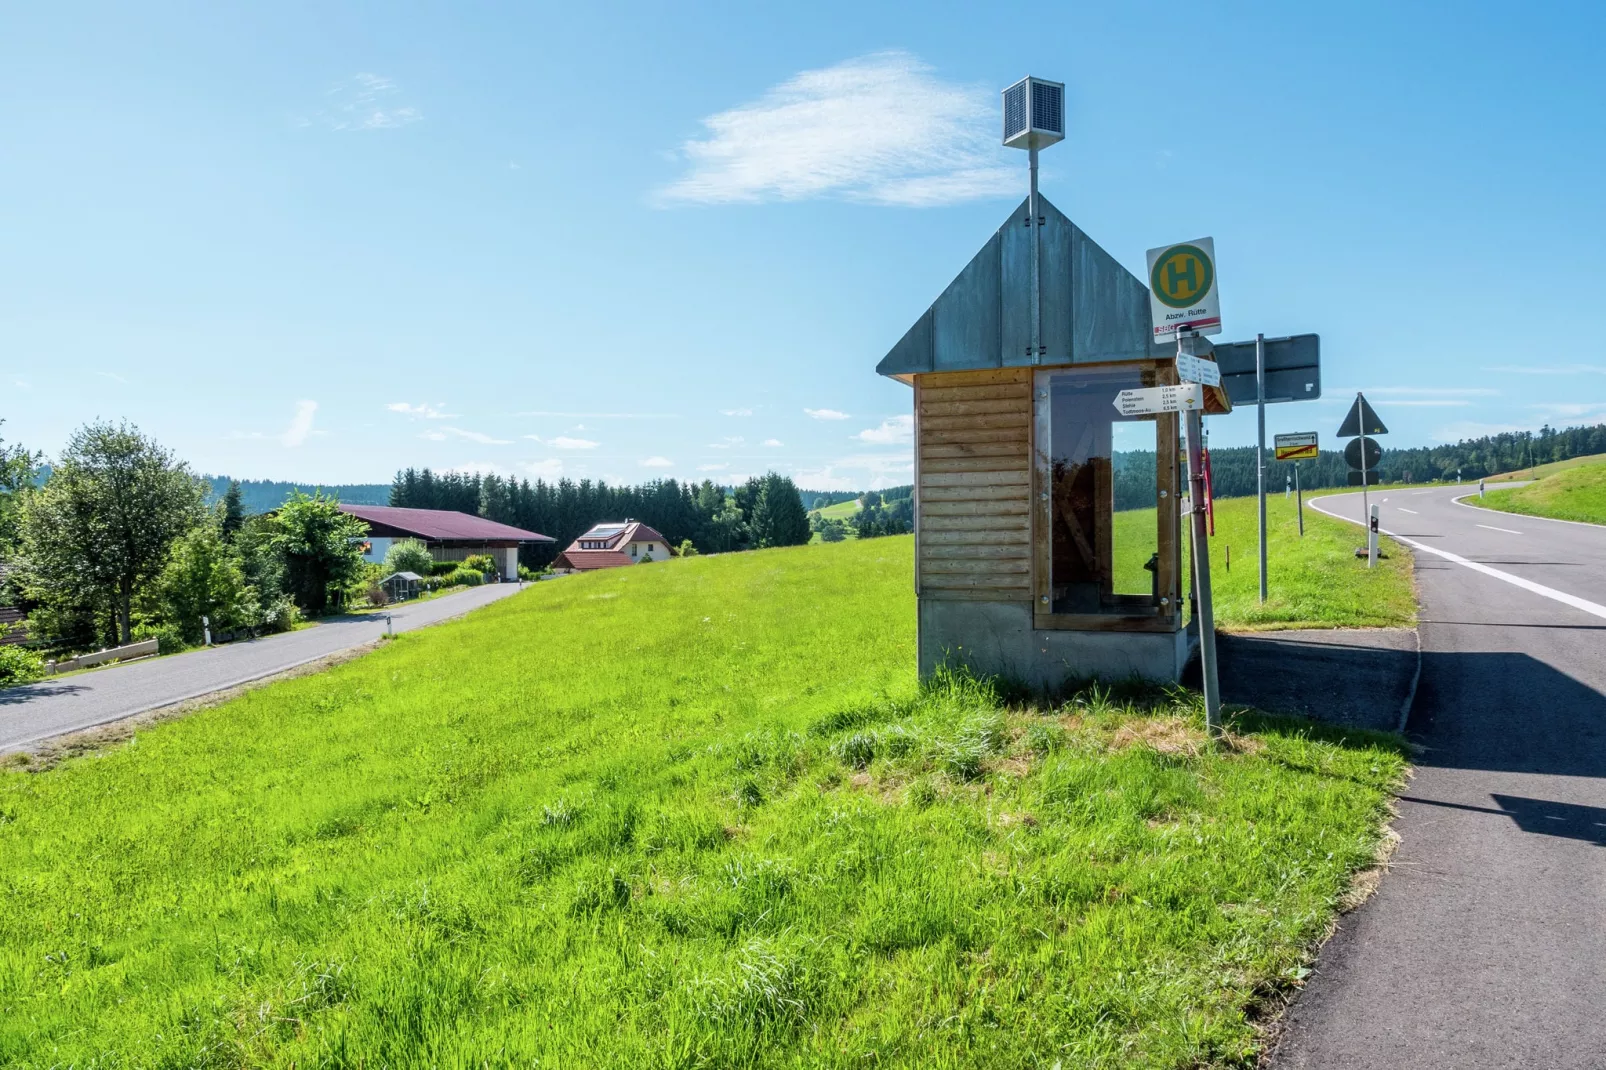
973,474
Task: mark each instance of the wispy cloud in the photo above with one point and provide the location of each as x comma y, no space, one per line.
476,436
1433,391
736,412
1473,429
604,415
113,376
564,442
826,414
428,412
773,442
1553,369
1595,410
712,467
21,384
895,430
300,424
1428,403
365,102
727,442
657,462
551,468
867,471
880,129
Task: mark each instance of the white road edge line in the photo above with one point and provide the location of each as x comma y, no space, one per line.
1592,608
1491,527
1460,500
1403,509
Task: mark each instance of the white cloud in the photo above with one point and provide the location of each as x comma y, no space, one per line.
564,442
300,424
879,129
1427,403
113,376
895,430
434,436
657,462
879,470
1435,391
826,414
1573,410
365,102
736,412
551,468
21,384
727,442
473,436
772,442
712,467
428,412
604,415
1473,429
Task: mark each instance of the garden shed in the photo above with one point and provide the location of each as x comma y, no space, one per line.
1047,535
400,586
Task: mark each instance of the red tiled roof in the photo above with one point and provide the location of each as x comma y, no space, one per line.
441,523
623,534
586,560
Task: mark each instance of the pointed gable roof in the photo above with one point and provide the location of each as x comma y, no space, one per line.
1093,309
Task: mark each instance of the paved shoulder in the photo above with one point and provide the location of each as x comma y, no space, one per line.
36,712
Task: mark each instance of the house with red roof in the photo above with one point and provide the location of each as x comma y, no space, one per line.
610,545
449,535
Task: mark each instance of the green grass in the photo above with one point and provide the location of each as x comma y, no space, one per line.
1540,471
693,815
1575,492
1312,582
841,510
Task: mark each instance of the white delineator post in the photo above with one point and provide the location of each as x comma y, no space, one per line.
1371,538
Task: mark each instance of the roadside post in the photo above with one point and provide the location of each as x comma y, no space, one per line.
390,629
1296,447
1363,455
1260,451
206,630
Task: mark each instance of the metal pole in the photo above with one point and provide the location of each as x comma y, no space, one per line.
1299,497
1204,612
1260,452
1365,501
1037,302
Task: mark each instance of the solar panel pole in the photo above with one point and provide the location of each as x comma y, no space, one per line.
1037,279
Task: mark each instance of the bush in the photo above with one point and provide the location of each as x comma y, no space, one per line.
530,575
280,616
442,568
169,636
19,665
480,563
687,549
377,596
409,555
465,577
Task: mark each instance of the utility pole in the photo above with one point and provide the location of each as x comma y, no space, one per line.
1204,611
1260,452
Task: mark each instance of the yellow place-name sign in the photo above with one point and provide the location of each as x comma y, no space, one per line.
1300,446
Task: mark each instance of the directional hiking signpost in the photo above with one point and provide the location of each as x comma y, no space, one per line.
1296,447
1151,399
1363,455
1183,304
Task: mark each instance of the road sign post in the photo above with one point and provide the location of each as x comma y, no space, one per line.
1360,423
1299,501
1182,289
1188,342
1260,451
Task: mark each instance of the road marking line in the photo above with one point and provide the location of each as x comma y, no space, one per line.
1403,509
1491,527
1461,501
1592,608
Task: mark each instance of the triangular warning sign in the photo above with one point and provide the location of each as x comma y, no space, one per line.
1361,420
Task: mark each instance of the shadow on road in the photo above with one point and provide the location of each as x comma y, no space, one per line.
16,696
1567,820
1357,679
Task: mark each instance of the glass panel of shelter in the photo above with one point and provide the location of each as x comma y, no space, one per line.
1106,477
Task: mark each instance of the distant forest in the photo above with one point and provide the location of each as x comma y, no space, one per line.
265,495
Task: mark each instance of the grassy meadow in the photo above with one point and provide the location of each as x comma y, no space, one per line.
695,813
1543,470
1312,582
1574,492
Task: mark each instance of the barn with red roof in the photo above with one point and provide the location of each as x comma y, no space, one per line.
449,535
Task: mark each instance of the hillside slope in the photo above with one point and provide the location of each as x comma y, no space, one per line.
695,813
1575,492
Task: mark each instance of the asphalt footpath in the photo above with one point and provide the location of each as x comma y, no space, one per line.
1485,944
34,713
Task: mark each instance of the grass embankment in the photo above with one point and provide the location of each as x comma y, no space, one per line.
1577,492
1312,582
688,814
1540,471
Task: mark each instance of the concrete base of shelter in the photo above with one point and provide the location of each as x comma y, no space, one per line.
998,639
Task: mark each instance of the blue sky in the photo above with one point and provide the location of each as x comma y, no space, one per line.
321,242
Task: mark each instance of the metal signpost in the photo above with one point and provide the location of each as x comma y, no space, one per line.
1152,399
1364,454
1182,289
1190,349
1298,446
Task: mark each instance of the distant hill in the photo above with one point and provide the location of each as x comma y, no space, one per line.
264,495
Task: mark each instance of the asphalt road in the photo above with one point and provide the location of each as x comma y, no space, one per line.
1485,945
36,712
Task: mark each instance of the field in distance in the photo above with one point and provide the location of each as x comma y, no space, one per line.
693,813
1571,491
1540,471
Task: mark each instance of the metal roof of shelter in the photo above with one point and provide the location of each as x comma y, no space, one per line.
442,524
1093,309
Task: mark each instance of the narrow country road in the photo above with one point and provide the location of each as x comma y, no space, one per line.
1485,945
36,712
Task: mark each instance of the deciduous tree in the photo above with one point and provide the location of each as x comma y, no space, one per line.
320,546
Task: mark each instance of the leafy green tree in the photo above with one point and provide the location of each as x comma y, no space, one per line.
203,578
408,555
778,516
100,529
17,470
833,531
233,511
320,549
687,548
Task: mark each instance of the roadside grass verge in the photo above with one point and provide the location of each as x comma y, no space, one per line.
696,813
1573,493
1543,470
1312,582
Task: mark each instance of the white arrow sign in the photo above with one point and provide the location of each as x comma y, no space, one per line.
1198,370
1151,399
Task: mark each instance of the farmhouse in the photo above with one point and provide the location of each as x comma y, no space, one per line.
450,536
610,545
